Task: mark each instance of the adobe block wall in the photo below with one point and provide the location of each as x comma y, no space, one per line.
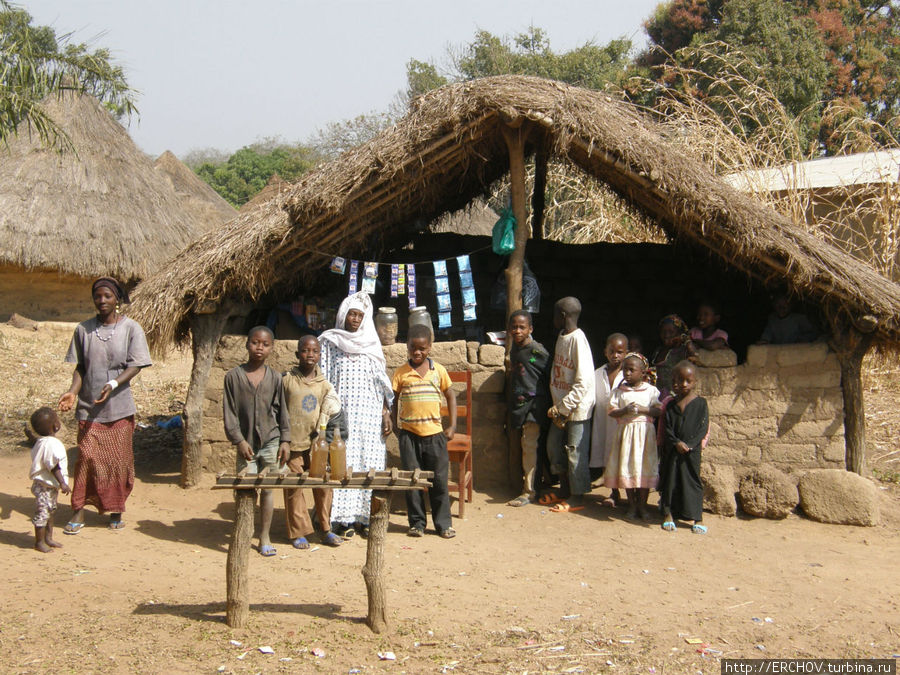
783,406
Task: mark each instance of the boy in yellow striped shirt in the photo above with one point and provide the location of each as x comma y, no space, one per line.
419,386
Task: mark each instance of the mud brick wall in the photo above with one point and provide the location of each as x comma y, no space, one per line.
484,361
784,406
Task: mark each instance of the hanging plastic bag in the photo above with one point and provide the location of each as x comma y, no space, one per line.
503,239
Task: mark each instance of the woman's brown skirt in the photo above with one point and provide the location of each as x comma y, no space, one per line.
104,471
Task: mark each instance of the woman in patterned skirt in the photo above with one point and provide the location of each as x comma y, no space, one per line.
108,350
353,361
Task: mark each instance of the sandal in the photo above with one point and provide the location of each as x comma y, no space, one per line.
416,532
697,528
449,533
565,507
669,526
523,500
550,498
73,528
300,542
116,524
267,550
610,502
331,539
346,532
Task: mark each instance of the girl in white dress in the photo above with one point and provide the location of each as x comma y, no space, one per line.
634,463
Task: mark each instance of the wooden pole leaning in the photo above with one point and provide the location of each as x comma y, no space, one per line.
851,341
383,485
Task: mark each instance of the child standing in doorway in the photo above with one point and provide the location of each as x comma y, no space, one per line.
419,386
572,393
634,463
528,398
49,467
257,421
687,424
603,431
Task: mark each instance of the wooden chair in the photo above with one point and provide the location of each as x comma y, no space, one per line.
460,448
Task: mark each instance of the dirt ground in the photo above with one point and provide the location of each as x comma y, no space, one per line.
518,590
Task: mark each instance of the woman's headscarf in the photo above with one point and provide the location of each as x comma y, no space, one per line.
676,321
365,339
113,285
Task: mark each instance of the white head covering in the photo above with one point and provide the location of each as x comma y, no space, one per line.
365,339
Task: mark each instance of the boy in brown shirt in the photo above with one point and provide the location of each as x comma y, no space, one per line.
312,403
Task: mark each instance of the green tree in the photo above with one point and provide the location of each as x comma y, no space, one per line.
422,77
825,60
35,63
248,170
529,53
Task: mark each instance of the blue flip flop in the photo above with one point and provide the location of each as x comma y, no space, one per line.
331,539
267,550
669,526
697,528
300,542
73,528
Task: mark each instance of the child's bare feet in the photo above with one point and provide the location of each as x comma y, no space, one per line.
643,515
42,547
631,514
52,543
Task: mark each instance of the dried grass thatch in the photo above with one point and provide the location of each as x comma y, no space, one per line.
274,187
101,209
475,219
448,150
197,198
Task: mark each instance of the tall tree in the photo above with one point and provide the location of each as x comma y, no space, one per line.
35,63
825,60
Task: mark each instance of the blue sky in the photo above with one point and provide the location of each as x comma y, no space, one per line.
223,73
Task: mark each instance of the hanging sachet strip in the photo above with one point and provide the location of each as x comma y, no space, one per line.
354,277
467,284
395,274
442,290
411,284
369,277
338,265
401,279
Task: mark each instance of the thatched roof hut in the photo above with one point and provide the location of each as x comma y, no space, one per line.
448,150
66,217
451,146
197,198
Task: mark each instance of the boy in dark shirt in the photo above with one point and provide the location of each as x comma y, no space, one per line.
257,421
528,396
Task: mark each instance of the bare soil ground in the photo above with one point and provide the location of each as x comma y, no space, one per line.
518,590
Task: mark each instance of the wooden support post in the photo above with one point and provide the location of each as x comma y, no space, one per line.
373,570
515,143
851,346
205,332
237,575
538,197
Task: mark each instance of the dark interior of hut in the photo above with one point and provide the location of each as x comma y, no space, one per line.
622,287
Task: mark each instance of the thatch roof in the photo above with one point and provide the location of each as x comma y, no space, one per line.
102,209
196,197
449,149
477,219
274,187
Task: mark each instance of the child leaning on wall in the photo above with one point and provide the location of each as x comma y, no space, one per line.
528,396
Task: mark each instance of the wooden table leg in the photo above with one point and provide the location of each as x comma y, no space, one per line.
236,568
373,570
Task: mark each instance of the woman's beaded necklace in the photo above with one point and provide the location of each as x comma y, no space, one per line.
108,337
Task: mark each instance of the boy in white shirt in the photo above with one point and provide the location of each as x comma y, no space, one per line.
572,391
49,466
